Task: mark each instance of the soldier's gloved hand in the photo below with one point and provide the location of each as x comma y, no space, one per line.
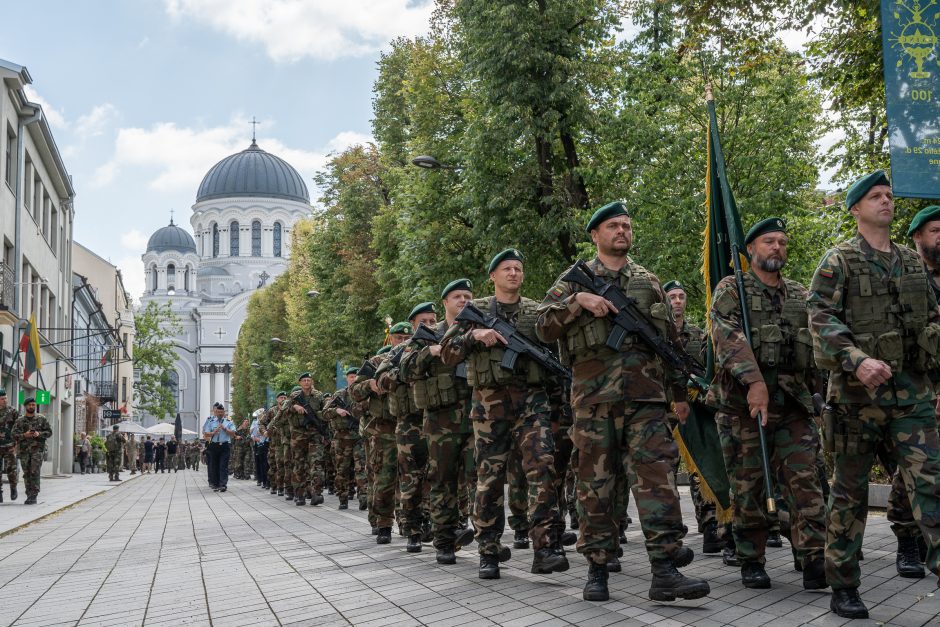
341,411
681,410
873,372
758,398
488,337
435,350
597,305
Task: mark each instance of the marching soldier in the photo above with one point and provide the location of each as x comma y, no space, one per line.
444,396
8,416
343,418
513,411
619,402
30,432
114,446
768,379
272,429
302,409
875,328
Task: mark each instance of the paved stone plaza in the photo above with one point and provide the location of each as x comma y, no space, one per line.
165,549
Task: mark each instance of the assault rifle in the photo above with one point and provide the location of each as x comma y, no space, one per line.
367,369
310,417
518,344
629,319
426,335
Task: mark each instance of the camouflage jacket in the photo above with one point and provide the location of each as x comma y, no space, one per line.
736,365
444,397
600,374
377,418
245,435
297,421
115,442
693,341
835,338
8,417
345,427
36,422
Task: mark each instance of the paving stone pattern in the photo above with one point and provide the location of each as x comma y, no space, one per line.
165,549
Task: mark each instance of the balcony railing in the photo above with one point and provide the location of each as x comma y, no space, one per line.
104,390
6,286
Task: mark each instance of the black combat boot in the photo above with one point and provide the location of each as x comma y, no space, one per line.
814,574
548,560
489,567
30,500
300,500
427,534
596,587
414,543
669,584
375,531
753,575
363,505
908,559
343,504
520,540
463,538
683,557
445,554
847,604
504,554
711,543
774,540
289,495
316,499
623,534
613,564
922,549
568,538
13,492
384,536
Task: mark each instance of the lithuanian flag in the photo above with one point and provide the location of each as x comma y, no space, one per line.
29,344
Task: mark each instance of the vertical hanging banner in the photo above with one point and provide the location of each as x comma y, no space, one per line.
912,95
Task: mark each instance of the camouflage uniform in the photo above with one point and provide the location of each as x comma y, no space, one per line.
306,445
515,414
8,445
866,303
619,403
274,454
345,440
411,443
114,445
30,451
367,433
780,354
130,450
445,400
383,454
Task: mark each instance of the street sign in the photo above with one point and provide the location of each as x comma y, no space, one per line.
111,414
43,397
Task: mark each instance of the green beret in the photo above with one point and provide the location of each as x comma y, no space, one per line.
457,284
384,349
115,428
510,254
608,211
296,389
303,375
3,392
400,327
859,188
767,225
421,308
29,400
928,214
279,394
351,370
673,285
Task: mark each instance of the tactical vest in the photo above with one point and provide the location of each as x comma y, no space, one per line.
888,316
441,388
780,341
483,364
589,334
113,443
695,346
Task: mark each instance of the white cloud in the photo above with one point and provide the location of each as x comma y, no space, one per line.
134,240
179,157
54,116
95,121
291,30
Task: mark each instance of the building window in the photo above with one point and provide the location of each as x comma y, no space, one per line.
124,341
170,277
8,163
256,238
123,389
233,235
277,239
155,277
215,239
186,279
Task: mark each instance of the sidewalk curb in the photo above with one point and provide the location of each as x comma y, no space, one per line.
64,508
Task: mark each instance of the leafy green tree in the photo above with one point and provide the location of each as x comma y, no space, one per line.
154,357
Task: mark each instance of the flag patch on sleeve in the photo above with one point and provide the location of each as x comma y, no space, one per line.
557,292
825,272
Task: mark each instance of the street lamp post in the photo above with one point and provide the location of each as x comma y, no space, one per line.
427,162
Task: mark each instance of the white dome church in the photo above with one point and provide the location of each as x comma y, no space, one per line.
245,210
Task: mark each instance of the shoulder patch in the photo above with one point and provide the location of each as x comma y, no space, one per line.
826,272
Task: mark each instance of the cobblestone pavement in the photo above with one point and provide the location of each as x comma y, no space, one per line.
165,549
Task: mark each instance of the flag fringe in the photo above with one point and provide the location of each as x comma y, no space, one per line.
722,514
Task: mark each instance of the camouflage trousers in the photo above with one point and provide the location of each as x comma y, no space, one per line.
370,478
113,462
307,452
562,454
329,468
31,462
900,513
451,473
286,465
513,417
248,460
383,458
350,469
8,465
273,461
518,492
793,445
171,462
910,436
413,488
629,440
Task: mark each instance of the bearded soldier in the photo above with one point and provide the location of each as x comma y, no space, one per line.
514,411
768,379
303,413
30,432
875,328
619,400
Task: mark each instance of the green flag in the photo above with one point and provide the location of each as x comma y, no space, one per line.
698,439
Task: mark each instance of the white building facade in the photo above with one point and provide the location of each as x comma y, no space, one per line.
245,211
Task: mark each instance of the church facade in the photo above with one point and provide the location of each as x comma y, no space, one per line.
245,211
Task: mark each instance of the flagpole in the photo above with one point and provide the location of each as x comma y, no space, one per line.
739,281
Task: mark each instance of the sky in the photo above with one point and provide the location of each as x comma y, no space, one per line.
144,96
